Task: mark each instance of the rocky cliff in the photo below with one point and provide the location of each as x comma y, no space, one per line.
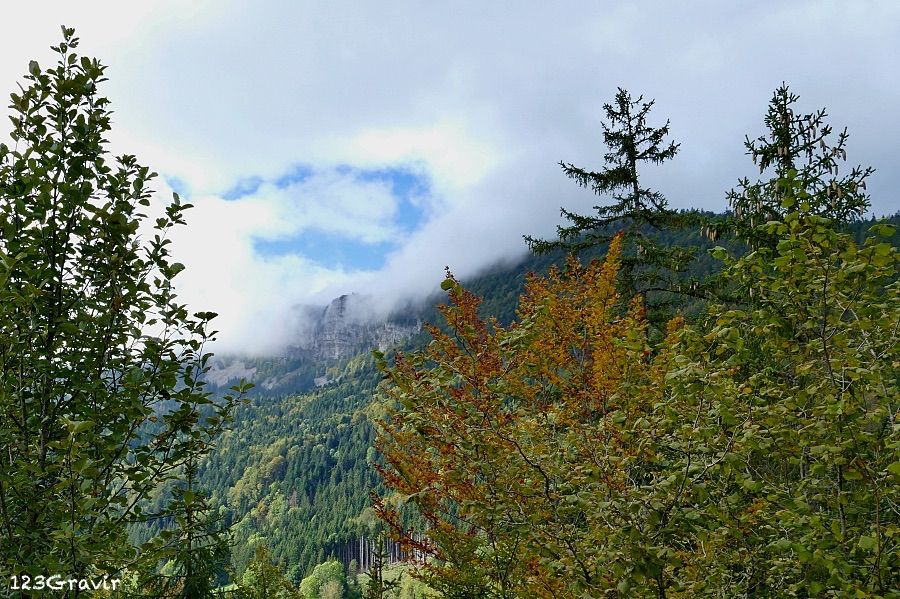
349,325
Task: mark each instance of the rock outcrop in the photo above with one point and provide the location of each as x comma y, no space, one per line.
347,326
222,372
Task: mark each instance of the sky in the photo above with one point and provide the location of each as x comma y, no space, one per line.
337,147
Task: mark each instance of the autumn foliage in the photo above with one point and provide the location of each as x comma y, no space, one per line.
752,453
506,439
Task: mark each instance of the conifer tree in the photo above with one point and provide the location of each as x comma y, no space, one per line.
637,211
799,152
378,586
197,547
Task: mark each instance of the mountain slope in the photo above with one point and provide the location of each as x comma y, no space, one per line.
294,473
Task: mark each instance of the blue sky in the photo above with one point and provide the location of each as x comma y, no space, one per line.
350,146
341,251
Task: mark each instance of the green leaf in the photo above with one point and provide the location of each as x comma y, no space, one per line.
76,426
80,464
883,229
867,543
718,252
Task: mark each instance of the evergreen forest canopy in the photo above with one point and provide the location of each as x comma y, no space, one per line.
703,404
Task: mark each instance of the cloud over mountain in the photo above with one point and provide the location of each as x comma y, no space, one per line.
352,146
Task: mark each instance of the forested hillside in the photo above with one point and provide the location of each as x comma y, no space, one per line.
295,473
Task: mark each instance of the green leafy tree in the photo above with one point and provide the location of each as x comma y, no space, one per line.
413,588
332,590
263,580
326,576
354,591
639,212
101,392
793,484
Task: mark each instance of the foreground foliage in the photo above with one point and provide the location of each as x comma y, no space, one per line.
752,453
798,401
505,439
101,398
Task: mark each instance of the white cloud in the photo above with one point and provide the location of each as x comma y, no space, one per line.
328,201
480,99
452,158
251,292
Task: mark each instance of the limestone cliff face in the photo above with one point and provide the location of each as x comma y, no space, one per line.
223,372
323,335
348,326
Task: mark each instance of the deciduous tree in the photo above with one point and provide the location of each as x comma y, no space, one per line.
752,453
263,580
529,450
796,397
101,392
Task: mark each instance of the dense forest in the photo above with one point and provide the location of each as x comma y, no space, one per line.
653,403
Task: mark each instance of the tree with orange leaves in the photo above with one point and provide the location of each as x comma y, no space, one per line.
527,449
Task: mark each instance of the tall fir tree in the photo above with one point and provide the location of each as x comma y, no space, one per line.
639,212
799,152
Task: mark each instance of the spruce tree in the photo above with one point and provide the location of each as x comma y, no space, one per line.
799,153
380,587
639,212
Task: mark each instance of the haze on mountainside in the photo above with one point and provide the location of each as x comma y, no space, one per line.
360,148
